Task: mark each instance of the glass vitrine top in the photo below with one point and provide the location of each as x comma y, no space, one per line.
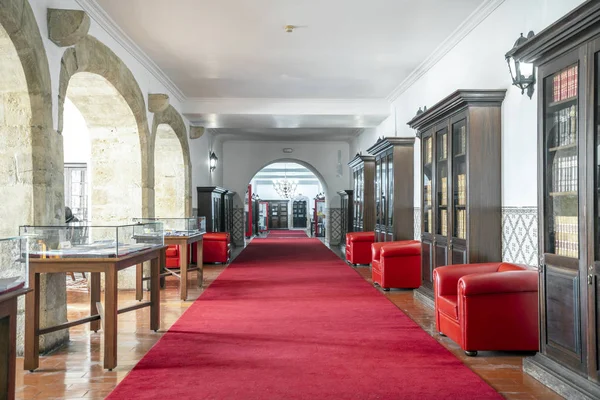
14,264
88,241
188,226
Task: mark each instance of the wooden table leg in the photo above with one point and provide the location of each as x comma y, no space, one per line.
32,324
183,267
199,263
8,338
94,298
155,267
139,283
110,317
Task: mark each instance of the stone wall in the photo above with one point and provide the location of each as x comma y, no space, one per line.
169,179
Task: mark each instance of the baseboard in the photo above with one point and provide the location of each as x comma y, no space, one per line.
562,380
423,295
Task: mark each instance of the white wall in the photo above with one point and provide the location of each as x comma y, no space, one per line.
268,192
477,62
244,159
76,137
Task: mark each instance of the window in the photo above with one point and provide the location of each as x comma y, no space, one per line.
76,196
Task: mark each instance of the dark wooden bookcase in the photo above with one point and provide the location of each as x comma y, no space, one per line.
363,177
567,55
299,213
347,206
216,204
394,188
461,218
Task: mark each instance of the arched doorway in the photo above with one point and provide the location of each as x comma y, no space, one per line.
285,191
169,174
115,163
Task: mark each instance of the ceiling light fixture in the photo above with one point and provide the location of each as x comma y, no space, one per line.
285,188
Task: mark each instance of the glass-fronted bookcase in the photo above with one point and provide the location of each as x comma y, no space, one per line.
461,219
394,188
363,178
567,55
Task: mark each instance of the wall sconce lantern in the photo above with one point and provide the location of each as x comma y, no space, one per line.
213,161
522,73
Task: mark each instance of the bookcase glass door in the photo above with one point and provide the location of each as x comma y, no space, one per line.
442,181
561,158
378,194
459,179
382,164
427,180
390,191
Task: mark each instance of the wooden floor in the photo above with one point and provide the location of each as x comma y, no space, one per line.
75,371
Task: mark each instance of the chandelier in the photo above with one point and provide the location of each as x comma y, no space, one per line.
285,187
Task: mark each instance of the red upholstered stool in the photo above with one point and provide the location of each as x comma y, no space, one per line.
216,247
358,247
396,264
487,306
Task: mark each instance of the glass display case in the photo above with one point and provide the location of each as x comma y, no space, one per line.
14,264
178,226
88,241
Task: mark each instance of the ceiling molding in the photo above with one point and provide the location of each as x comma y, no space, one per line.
472,21
97,13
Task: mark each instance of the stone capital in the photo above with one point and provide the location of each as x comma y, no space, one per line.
196,132
157,102
67,27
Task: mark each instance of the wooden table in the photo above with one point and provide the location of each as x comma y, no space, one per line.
95,266
183,242
8,342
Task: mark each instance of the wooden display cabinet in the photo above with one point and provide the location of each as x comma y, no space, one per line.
567,55
461,219
299,213
347,205
363,177
394,188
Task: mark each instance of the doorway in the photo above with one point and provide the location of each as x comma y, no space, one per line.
278,214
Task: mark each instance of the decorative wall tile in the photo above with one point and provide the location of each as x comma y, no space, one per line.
417,223
520,235
238,226
334,230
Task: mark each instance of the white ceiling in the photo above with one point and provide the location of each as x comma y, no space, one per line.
231,49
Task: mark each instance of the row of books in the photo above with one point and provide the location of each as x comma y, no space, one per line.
461,224
428,151
429,221
461,182
565,126
443,150
428,193
564,174
444,199
565,84
566,238
461,143
444,222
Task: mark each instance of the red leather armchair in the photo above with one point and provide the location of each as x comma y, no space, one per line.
487,306
358,247
216,247
173,255
396,264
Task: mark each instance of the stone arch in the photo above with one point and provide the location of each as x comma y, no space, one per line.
31,173
171,120
91,56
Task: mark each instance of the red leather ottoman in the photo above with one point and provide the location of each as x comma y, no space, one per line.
216,247
396,264
358,247
172,257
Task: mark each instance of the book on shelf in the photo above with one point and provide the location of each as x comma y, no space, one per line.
564,174
428,193
565,84
463,140
443,150
429,221
461,224
566,237
564,124
428,151
444,222
462,189
444,200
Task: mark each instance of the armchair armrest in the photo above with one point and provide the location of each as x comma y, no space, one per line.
498,282
376,250
445,279
399,249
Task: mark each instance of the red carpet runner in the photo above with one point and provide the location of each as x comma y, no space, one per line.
285,233
289,320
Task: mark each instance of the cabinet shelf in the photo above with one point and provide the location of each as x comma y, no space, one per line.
565,147
460,155
564,102
461,206
562,194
